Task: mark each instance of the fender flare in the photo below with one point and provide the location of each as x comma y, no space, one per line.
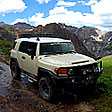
43,72
15,60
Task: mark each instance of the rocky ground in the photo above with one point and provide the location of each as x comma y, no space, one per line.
22,96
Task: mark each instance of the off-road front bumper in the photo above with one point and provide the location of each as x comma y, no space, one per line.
79,80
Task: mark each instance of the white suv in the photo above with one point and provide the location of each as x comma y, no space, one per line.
53,63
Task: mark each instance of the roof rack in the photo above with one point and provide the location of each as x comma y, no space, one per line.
38,35
28,36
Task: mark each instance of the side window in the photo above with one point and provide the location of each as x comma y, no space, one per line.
23,47
32,47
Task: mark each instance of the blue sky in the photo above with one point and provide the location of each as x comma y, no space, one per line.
94,13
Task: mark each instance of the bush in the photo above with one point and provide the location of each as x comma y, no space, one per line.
5,47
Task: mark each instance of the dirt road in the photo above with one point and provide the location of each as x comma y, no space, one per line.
22,96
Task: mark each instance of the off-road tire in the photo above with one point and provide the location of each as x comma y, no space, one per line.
47,89
15,71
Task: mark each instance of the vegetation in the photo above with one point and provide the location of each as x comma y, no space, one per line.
4,48
103,98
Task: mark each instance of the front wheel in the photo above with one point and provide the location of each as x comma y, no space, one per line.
47,89
15,71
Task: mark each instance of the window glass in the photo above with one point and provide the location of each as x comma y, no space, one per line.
32,47
56,48
23,47
26,46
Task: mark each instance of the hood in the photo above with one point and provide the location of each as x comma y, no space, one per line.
67,59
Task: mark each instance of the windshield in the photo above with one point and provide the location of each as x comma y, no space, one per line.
56,48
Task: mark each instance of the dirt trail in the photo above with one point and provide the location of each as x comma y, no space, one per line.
22,96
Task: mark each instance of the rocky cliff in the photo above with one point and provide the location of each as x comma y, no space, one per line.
97,42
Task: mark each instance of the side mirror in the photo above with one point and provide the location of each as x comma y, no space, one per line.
31,53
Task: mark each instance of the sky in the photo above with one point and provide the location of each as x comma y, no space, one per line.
78,13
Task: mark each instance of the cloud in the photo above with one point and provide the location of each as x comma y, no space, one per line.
103,10
58,14
91,2
7,6
82,1
102,7
65,4
63,15
101,16
38,19
43,1
3,15
19,20
58,11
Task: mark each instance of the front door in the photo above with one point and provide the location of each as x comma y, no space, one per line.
28,57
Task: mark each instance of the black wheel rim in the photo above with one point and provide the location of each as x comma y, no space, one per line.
44,90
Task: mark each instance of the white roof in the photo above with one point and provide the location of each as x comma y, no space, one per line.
42,40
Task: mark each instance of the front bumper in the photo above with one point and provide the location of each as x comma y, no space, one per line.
79,80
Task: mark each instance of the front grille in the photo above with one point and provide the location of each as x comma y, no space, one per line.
84,71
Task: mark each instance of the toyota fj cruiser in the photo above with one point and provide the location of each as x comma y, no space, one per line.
53,63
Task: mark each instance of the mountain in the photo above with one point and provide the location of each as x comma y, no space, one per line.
97,42
87,40
69,28
3,25
18,25
24,26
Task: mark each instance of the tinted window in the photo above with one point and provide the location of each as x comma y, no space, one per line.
32,47
25,46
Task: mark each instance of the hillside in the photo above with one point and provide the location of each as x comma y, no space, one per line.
96,41
103,98
10,34
6,35
87,40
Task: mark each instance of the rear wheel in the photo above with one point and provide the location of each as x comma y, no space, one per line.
15,71
47,89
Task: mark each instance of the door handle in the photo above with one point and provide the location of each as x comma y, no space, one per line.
23,57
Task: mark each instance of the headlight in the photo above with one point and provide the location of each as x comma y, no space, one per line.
84,72
70,72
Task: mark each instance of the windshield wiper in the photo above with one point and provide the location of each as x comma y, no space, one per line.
59,52
70,52
49,53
